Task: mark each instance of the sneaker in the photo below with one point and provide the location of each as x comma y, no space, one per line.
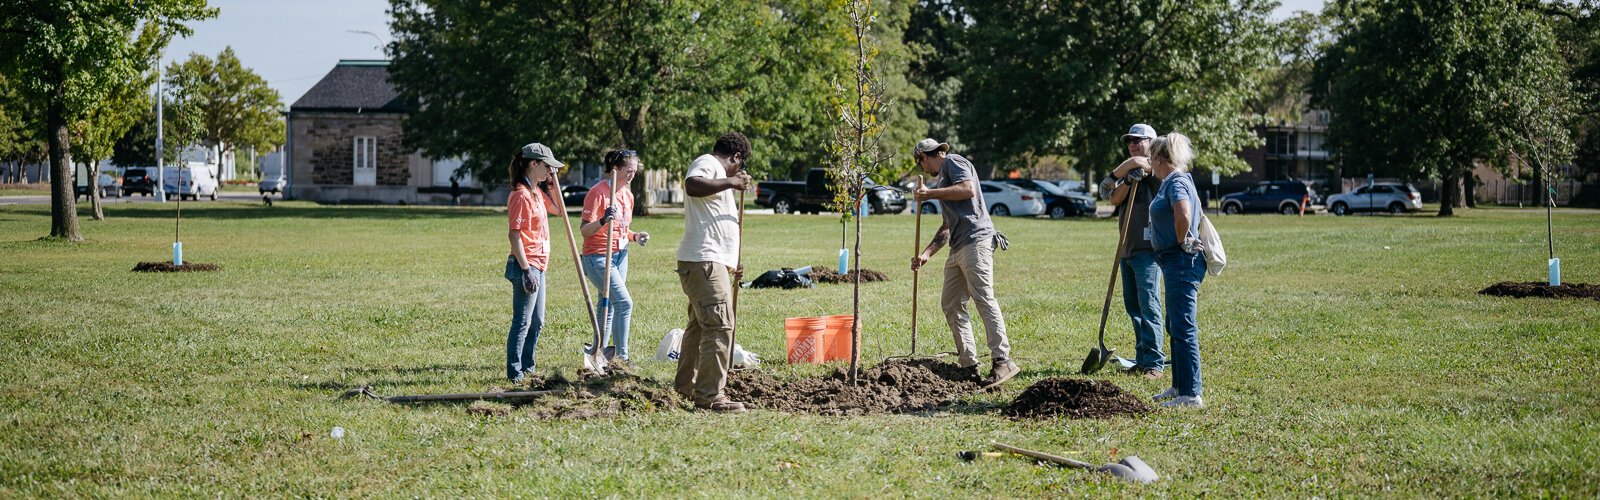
723,405
624,364
1170,393
1184,402
1149,373
1003,370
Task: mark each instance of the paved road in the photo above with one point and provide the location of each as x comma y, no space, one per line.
45,199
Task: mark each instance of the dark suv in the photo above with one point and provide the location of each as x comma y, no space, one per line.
138,180
1283,197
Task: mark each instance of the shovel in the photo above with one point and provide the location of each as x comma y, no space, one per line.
916,249
1130,469
738,264
605,283
594,358
1098,357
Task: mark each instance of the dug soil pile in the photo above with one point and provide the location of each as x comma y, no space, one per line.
825,274
898,386
1537,289
167,267
1075,398
588,397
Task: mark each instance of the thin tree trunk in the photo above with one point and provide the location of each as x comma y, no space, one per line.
631,125
63,205
1471,196
94,191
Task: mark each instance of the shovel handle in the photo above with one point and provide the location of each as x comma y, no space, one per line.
916,249
1116,264
583,282
1044,456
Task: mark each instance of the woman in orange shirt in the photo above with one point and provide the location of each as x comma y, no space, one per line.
527,210
598,215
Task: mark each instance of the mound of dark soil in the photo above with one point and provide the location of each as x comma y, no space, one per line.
825,274
597,396
898,386
1075,398
1538,289
167,267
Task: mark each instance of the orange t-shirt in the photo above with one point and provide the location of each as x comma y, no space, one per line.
526,212
594,207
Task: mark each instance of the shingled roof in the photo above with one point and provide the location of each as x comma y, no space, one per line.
353,85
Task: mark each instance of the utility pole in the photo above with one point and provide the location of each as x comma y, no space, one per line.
161,171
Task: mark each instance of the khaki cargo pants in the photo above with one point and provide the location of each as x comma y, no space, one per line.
707,341
969,274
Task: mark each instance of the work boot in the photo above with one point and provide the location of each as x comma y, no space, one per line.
625,365
722,405
970,373
1003,370
1149,373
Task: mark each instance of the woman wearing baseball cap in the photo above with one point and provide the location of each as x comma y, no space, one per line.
526,211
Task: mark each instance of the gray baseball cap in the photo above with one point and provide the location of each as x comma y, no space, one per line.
1140,130
536,151
928,145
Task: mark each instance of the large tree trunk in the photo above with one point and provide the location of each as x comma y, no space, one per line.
631,124
94,190
1448,192
63,205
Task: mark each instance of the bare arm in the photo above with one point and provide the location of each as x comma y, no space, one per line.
516,249
1120,194
940,238
1180,217
700,187
955,192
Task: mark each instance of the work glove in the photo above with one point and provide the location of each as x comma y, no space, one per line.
530,285
1193,246
642,238
611,213
1136,175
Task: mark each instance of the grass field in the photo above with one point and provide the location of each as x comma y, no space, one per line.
1343,357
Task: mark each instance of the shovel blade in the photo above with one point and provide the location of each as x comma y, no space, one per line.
1142,471
1095,361
1121,471
594,361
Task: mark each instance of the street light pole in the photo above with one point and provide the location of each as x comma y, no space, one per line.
375,36
161,171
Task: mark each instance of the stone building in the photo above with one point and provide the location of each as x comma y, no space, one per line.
345,145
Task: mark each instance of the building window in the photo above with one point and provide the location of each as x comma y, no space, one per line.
364,160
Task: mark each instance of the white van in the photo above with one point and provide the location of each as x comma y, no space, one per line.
190,182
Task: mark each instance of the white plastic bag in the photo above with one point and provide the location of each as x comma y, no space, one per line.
669,346
743,358
1216,257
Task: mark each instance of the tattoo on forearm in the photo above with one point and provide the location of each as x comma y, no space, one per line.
940,238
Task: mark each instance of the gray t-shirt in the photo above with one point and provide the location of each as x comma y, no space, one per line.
1138,230
967,219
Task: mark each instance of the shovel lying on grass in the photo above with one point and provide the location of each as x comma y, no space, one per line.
470,396
1099,356
1130,468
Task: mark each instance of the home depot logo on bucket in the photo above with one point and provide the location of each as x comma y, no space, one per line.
818,340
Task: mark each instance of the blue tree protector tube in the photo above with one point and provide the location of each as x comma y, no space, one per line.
177,253
1555,272
844,260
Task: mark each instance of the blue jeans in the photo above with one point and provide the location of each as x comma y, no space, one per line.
621,309
527,319
1182,273
1141,297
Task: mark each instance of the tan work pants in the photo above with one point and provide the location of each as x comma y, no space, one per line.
708,340
969,274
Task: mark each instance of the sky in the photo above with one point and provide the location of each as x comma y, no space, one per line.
293,43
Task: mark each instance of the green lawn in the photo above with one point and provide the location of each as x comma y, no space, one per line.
1343,357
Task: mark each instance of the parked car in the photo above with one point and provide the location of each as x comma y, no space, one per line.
573,195
107,187
816,192
1283,197
272,181
1058,202
190,182
1003,200
139,180
1394,198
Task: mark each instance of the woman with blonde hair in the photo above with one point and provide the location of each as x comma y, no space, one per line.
1174,233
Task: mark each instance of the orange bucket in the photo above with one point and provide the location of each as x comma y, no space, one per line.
836,340
804,339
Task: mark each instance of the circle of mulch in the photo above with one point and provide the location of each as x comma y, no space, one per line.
1075,398
897,386
1538,289
825,274
167,267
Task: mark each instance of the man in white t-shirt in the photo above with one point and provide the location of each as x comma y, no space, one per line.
707,269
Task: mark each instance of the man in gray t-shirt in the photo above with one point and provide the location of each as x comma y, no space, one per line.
969,271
